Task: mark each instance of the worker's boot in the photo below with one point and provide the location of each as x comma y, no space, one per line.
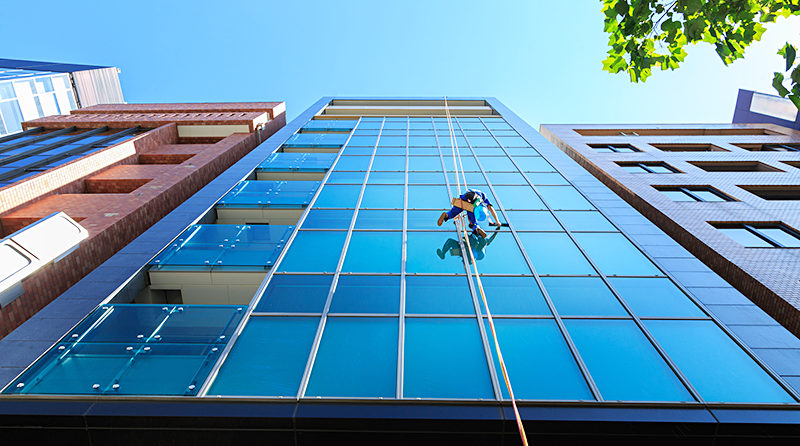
442,218
480,232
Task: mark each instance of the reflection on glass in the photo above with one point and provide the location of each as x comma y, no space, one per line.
585,221
533,221
513,295
582,296
438,295
379,219
374,252
554,253
295,294
615,255
328,219
366,294
656,297
338,196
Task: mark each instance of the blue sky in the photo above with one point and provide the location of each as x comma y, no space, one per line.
542,59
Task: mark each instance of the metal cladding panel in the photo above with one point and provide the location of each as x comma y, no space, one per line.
100,86
45,66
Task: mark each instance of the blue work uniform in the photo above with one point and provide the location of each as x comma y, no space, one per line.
480,198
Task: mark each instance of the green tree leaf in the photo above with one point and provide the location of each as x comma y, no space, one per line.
777,83
790,54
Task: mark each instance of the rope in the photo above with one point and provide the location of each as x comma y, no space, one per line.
461,227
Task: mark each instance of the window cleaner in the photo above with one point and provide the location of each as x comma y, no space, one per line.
475,203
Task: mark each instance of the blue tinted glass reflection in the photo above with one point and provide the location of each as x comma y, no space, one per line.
295,294
438,295
366,294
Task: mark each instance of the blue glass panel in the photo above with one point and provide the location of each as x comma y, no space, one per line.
389,151
497,164
533,221
425,178
303,162
521,151
367,294
386,178
330,125
582,296
374,252
461,142
295,294
585,221
271,194
497,254
394,132
188,367
383,197
623,363
564,198
336,196
425,220
513,141
370,123
268,359
357,357
347,177
539,363
518,197
363,140
472,178
539,178
352,163
466,163
314,251
389,163
554,253
353,150
506,178
316,140
429,163
657,297
615,254
392,141
121,324
422,141
428,197
444,358
423,150
422,257
438,295
482,141
533,164
495,123
513,295
375,219
714,364
328,219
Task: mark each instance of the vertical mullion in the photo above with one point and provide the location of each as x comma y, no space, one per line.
324,318
401,332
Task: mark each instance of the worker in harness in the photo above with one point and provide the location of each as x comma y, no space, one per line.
472,201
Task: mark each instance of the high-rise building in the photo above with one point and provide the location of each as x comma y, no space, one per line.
308,293
30,90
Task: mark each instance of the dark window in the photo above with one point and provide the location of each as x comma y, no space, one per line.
614,148
693,193
770,147
734,166
761,236
688,148
789,192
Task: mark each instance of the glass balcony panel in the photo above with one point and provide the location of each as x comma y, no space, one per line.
655,297
379,219
367,294
718,368
582,296
328,219
438,295
314,251
297,162
444,358
585,221
374,252
357,357
534,221
524,343
188,365
283,194
616,255
513,295
623,363
541,248
330,125
268,359
316,140
295,294
338,196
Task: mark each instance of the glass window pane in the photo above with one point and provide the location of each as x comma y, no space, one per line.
352,163
367,294
655,297
314,251
657,168
533,221
379,219
467,164
745,237
295,294
425,220
635,169
708,196
518,197
444,358
564,197
392,141
676,195
386,178
268,359
388,163
430,163
393,151
328,219
483,141
533,164
425,178
615,255
506,178
428,197
423,250
497,164
374,252
582,296
347,177
780,236
623,363
438,295
357,357
513,295
554,253
383,197
547,178
422,141
496,254
336,196
714,364
423,151
539,363
585,221
363,140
